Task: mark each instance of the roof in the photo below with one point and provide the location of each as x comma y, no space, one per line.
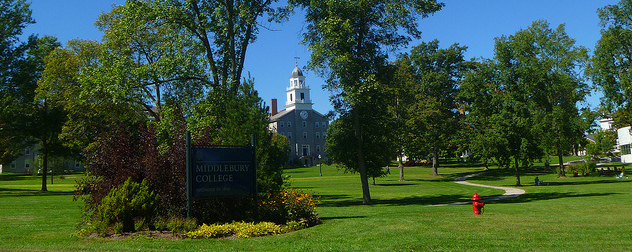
284,112
296,72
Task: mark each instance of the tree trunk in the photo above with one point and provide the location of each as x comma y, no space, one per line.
366,195
559,156
44,169
400,165
435,163
517,165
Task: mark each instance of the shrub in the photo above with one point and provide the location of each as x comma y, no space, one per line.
584,168
127,208
175,224
289,205
241,229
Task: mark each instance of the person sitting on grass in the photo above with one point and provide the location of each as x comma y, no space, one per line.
538,182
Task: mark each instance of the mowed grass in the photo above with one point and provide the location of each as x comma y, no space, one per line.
571,214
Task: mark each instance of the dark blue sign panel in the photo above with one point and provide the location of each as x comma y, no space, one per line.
218,172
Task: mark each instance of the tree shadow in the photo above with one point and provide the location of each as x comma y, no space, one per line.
18,177
393,184
347,201
4,193
342,217
530,197
566,182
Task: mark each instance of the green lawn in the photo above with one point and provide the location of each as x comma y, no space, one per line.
571,214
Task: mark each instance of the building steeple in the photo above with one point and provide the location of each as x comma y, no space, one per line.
298,93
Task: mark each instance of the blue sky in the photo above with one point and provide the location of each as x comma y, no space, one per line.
270,59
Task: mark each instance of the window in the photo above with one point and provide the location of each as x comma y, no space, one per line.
290,97
304,124
302,96
27,165
305,150
27,151
324,134
317,148
317,135
324,124
317,124
289,135
281,124
305,135
625,149
289,124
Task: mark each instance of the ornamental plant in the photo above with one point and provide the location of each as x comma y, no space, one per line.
289,205
127,208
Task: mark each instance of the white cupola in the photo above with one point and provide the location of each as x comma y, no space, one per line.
298,93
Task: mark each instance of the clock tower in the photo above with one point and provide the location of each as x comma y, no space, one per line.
298,93
304,127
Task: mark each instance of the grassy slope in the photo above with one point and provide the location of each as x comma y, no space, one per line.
571,214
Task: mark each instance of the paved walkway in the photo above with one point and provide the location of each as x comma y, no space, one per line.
510,192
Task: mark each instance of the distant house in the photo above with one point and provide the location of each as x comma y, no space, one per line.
304,127
27,162
624,137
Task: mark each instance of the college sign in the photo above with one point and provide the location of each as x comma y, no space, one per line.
218,171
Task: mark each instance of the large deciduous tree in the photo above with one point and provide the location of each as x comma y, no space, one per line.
24,119
612,61
524,101
349,41
433,117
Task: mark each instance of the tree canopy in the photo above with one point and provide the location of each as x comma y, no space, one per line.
350,42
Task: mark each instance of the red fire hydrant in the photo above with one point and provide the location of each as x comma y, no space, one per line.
477,205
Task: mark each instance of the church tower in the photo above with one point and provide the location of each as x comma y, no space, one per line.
304,127
298,93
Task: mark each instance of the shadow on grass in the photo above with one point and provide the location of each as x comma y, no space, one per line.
18,177
342,217
567,182
347,201
4,192
529,197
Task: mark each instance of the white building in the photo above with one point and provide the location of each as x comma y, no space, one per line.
304,127
624,137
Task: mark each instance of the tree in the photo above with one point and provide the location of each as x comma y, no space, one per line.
349,41
26,119
433,116
603,144
14,17
223,29
506,97
341,140
558,64
612,60
401,97
523,103
148,61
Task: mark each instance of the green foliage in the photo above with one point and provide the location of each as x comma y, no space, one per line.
26,120
127,208
603,145
433,119
523,103
610,65
350,41
288,206
240,229
585,169
175,224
